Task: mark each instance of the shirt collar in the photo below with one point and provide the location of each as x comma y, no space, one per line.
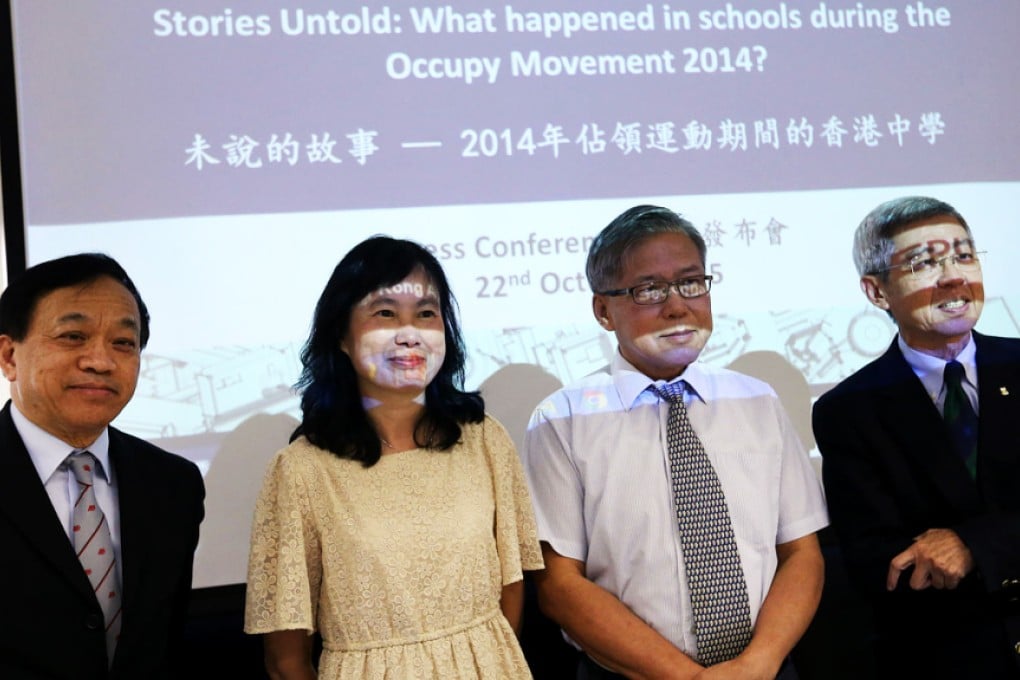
48,452
930,369
632,384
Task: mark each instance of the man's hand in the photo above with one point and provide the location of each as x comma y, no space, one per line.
940,560
742,668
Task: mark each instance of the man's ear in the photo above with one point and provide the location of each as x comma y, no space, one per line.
601,311
7,363
872,287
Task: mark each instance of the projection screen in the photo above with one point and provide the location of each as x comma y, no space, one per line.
229,154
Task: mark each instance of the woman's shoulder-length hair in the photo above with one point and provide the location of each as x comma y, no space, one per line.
333,417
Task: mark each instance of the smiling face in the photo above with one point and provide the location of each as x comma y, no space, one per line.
78,364
396,340
935,313
659,340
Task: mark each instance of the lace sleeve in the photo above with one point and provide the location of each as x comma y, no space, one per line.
285,561
516,534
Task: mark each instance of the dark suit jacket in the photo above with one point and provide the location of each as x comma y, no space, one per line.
50,620
891,473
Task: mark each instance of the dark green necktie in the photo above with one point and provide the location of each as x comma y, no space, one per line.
960,417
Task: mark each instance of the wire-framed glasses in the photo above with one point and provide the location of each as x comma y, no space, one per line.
928,267
656,292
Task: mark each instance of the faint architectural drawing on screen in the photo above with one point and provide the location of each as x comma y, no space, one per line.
211,390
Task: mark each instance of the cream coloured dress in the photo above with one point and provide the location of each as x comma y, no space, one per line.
398,566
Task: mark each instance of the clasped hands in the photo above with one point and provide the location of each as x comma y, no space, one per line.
940,560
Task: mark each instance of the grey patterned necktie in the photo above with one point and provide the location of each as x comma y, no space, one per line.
722,617
94,545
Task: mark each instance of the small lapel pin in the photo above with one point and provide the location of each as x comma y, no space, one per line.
1004,391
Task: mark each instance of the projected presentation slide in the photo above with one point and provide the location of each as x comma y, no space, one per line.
229,154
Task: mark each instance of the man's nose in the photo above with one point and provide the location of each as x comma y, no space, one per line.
675,304
950,270
97,356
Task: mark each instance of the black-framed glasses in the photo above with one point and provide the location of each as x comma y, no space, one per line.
926,267
656,292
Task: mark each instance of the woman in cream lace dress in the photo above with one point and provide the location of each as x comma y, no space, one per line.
397,523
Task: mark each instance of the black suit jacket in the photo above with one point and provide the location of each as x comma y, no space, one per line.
50,620
890,473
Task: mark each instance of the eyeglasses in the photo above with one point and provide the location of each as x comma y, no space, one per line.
656,292
931,267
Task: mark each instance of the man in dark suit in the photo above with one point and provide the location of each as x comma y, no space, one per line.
921,468
71,334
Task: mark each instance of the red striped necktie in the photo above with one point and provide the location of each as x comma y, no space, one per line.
94,545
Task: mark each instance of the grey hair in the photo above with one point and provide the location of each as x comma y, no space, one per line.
873,240
609,249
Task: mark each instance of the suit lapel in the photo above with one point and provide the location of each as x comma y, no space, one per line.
135,521
909,416
998,362
26,505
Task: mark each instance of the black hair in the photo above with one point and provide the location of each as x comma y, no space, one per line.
333,417
19,300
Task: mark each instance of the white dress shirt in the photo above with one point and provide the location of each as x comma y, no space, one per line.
596,459
48,454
